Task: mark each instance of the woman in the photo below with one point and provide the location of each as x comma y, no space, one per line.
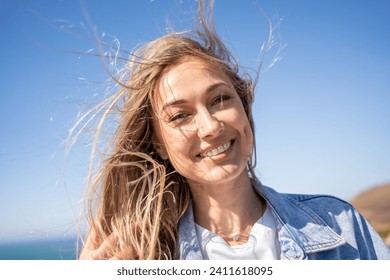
179,182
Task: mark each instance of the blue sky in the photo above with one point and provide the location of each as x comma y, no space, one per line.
322,111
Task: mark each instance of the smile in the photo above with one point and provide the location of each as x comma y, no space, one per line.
218,150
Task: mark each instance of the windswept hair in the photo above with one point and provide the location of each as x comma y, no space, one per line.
136,193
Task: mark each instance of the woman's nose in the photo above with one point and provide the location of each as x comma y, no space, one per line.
208,125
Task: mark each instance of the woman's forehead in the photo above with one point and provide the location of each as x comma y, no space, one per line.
190,74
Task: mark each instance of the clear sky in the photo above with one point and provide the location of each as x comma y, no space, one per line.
322,111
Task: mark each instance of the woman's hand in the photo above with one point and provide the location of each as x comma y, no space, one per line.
96,249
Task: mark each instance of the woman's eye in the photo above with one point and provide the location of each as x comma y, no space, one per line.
177,117
221,99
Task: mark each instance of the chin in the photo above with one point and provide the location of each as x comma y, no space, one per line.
223,175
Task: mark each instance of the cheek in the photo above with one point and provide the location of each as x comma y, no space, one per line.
237,117
177,145
241,121
175,142
248,132
179,156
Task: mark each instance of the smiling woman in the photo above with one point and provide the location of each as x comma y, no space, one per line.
202,126
179,181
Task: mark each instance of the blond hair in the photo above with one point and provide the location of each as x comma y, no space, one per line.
136,193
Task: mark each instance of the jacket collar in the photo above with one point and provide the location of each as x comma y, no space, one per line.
188,240
300,229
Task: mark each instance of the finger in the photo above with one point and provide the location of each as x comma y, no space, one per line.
106,248
89,246
127,254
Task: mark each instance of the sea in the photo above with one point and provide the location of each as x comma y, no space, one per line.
39,249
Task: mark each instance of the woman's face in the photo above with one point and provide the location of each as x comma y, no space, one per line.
201,124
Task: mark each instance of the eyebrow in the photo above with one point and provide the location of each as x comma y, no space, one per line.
209,89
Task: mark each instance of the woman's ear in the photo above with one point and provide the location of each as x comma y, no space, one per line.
160,147
161,150
158,143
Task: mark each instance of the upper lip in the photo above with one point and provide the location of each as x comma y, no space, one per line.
210,148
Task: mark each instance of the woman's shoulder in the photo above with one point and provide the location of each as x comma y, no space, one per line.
319,220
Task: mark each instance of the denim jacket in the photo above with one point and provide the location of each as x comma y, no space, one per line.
310,227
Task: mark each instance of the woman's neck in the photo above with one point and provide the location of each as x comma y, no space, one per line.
229,209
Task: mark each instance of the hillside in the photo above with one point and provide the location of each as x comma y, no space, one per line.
374,205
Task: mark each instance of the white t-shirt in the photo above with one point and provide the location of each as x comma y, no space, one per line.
262,244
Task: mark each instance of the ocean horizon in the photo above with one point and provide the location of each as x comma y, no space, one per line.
39,249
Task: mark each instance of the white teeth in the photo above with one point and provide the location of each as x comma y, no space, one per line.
217,151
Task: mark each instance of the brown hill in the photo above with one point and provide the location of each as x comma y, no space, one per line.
374,205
